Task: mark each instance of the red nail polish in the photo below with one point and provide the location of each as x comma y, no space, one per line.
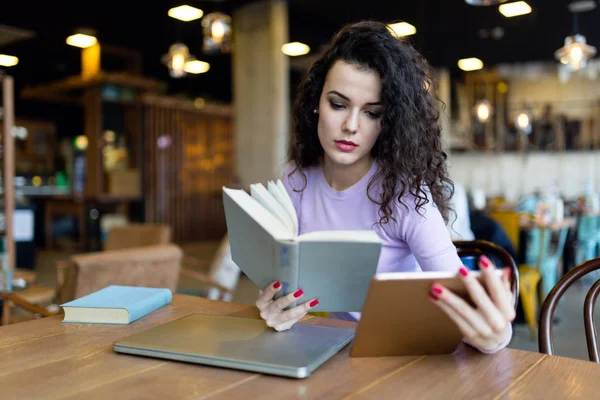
437,289
298,293
484,261
314,303
276,285
463,271
433,297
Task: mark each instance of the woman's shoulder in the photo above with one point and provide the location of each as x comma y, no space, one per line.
297,178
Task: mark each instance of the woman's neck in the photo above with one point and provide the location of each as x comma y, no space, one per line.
342,177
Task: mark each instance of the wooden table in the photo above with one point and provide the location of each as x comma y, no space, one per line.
47,359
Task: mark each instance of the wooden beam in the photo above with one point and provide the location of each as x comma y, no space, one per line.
56,90
94,178
90,62
131,80
8,101
37,94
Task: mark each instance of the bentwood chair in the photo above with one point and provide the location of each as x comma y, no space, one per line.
549,307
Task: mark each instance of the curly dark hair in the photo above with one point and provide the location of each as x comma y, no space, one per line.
409,148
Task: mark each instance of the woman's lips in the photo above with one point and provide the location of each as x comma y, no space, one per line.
345,145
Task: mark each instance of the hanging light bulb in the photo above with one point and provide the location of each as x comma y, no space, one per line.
523,122
575,52
176,59
216,28
483,111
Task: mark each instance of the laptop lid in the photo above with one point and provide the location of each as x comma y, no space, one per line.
239,343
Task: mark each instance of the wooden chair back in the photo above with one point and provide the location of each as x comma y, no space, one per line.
549,307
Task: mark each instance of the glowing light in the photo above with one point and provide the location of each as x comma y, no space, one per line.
402,29
8,61
470,64
82,40
510,10
185,13
294,49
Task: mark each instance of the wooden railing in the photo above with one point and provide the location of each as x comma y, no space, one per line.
188,158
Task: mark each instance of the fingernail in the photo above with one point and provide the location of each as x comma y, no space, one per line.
463,271
314,303
437,289
298,293
484,261
433,297
276,285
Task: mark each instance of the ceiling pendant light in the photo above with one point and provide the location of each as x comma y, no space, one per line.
484,2
216,29
176,59
185,13
576,52
470,64
83,38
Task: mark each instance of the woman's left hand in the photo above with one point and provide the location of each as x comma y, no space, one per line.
487,326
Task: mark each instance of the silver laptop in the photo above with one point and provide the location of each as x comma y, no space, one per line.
239,343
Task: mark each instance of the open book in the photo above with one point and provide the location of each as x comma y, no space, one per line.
335,267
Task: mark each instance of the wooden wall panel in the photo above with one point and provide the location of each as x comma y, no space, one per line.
187,160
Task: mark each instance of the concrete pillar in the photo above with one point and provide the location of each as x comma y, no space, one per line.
261,101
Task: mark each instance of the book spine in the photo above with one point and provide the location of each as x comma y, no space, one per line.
155,302
286,267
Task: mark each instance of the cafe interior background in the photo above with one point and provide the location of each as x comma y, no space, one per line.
136,114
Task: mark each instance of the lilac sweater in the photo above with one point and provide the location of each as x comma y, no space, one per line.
414,242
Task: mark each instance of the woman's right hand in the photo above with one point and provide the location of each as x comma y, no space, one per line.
273,311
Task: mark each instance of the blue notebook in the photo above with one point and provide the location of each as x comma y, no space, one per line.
116,305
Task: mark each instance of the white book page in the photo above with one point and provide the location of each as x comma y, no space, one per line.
264,218
341,236
267,200
278,191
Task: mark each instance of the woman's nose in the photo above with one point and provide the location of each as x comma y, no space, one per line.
351,123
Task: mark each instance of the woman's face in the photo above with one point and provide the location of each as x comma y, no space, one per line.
349,114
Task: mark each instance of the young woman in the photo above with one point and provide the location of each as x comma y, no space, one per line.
368,154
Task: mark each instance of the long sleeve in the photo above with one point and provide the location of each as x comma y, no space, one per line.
426,234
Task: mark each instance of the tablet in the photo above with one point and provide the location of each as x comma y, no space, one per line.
399,318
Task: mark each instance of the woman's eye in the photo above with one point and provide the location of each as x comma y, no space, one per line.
336,106
374,114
